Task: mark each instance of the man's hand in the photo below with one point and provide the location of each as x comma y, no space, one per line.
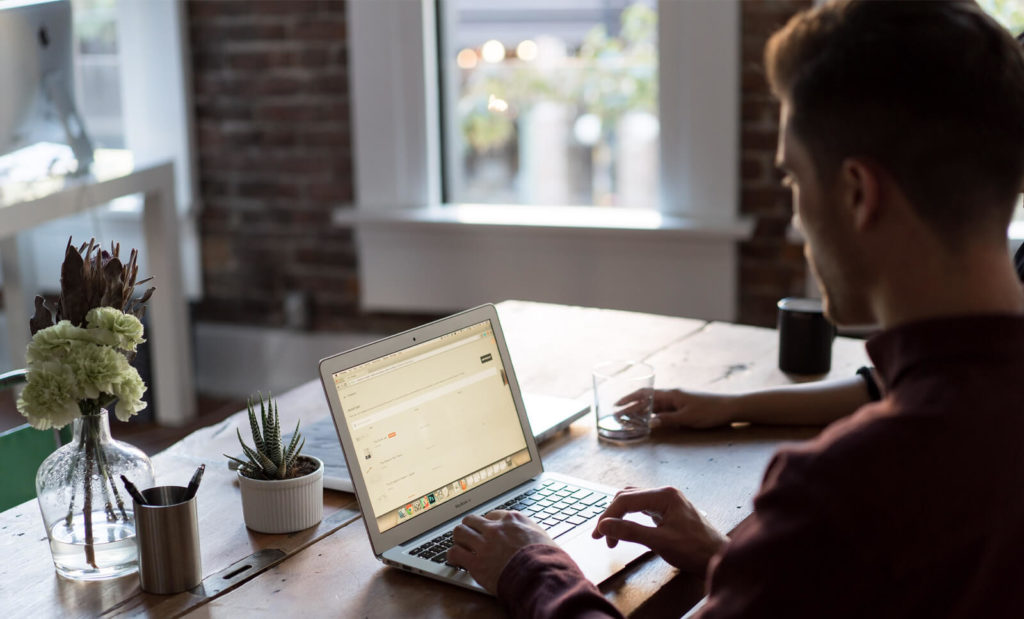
688,409
484,545
681,535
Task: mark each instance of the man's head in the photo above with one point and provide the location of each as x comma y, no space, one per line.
926,98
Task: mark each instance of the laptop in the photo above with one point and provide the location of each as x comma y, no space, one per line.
433,427
548,416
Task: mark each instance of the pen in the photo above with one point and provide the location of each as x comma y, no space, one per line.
132,490
193,485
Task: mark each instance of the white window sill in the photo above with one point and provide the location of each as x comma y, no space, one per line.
583,219
447,258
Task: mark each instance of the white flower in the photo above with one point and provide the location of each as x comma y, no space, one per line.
54,342
49,400
129,395
69,366
125,329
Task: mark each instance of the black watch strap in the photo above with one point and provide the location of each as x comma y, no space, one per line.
869,381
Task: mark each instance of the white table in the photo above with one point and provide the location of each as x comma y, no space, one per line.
27,205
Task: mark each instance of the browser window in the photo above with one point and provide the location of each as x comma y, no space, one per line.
411,415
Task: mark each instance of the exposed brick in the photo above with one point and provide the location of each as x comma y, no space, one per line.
759,138
305,111
330,191
214,33
272,118
770,266
752,167
210,9
312,58
269,189
766,201
254,60
322,29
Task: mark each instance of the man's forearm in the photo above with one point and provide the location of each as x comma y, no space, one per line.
817,403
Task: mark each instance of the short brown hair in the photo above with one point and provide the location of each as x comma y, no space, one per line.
931,91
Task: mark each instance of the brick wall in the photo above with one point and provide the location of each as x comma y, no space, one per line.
770,267
274,159
272,116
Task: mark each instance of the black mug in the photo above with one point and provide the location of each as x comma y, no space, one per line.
805,337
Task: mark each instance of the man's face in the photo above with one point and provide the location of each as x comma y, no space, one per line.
831,251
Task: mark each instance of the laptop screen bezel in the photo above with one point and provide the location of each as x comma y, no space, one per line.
381,541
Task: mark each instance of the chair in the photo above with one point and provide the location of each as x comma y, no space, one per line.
22,450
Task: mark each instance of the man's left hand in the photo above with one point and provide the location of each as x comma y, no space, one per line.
485,545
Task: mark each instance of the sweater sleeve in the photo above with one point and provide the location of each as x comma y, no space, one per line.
542,581
788,559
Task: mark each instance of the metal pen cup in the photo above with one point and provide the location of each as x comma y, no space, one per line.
167,533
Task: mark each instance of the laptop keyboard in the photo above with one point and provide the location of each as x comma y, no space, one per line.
557,507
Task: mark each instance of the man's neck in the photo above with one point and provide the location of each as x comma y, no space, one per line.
973,282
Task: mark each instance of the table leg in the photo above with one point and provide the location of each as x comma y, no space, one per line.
169,326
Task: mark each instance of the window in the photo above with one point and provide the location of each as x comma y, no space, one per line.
550,103
421,249
1009,13
97,71
131,91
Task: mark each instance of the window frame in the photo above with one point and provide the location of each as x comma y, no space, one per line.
395,95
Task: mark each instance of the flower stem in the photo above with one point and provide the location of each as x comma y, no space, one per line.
109,481
69,481
90,454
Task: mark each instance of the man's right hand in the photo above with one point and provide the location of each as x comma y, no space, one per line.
675,408
681,535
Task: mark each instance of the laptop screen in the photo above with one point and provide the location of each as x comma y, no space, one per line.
430,422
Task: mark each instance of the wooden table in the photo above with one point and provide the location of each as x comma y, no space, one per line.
330,570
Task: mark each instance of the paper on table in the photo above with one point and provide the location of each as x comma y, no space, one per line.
322,442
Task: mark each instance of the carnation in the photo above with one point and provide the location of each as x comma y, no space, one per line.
129,393
55,342
125,329
49,401
74,370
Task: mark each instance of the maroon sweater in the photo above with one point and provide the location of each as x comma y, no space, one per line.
911,507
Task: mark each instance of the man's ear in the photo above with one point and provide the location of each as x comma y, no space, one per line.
859,191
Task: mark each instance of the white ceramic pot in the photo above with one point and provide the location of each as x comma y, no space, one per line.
283,505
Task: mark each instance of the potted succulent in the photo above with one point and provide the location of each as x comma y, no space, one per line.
282,490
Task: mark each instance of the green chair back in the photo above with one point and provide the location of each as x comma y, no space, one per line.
22,450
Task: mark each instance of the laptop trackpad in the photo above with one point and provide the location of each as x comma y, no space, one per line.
599,562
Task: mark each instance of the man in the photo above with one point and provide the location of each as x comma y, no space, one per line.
902,138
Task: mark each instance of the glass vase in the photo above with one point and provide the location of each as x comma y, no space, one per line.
86,510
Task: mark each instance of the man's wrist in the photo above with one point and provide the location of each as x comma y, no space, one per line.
732,407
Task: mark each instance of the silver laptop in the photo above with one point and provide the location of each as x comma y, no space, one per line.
433,427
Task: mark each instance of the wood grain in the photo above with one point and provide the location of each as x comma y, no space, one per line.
330,570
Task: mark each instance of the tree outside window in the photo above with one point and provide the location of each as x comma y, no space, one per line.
554,106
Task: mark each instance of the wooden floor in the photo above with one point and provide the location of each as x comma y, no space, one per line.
147,436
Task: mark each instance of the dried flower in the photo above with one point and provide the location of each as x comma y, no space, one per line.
91,278
82,364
